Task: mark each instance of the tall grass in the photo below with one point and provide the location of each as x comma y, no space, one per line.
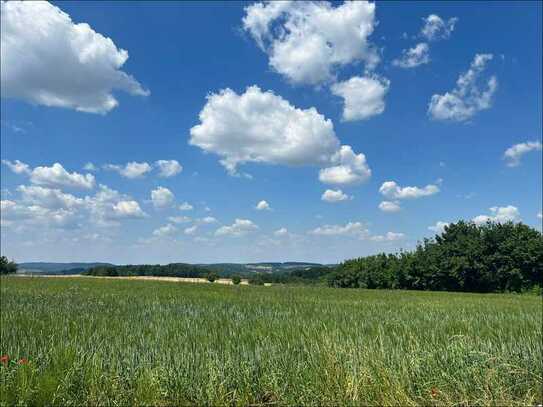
104,342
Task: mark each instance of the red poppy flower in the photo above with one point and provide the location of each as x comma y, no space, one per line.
4,359
434,392
23,361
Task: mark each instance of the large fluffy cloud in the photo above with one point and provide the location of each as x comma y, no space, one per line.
55,176
305,41
364,97
108,206
47,207
468,97
499,214
351,168
49,60
49,198
259,126
20,214
514,153
392,190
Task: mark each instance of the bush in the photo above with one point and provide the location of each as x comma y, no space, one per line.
236,279
6,266
211,277
257,279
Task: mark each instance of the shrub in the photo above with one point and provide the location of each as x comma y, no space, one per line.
236,279
211,277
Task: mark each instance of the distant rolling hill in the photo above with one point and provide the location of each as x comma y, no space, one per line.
224,269
56,268
265,267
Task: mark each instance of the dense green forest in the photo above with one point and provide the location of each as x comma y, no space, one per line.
493,257
168,270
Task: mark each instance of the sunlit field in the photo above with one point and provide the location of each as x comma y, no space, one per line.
90,341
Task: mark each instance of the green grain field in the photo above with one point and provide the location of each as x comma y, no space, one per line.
91,341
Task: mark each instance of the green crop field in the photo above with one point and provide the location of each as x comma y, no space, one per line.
91,341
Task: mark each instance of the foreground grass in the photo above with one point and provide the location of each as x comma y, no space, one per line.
104,342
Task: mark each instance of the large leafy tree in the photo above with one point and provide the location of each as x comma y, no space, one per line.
7,266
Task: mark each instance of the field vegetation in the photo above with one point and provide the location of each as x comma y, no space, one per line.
90,341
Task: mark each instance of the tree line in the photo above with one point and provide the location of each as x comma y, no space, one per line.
156,270
493,257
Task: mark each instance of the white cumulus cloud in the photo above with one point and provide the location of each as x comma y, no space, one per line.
388,237
17,166
351,168
259,126
391,189
499,214
332,196
468,97
131,170
514,153
162,197
168,168
49,60
240,227
390,206
263,206
306,41
127,209
48,198
57,176
363,97
350,229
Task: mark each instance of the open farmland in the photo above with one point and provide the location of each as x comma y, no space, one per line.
109,342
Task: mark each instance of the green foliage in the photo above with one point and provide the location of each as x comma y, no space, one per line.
489,258
257,279
236,279
100,342
168,270
7,266
212,276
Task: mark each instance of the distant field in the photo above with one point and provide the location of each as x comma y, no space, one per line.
118,342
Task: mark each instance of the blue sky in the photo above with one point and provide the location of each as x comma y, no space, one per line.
379,79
